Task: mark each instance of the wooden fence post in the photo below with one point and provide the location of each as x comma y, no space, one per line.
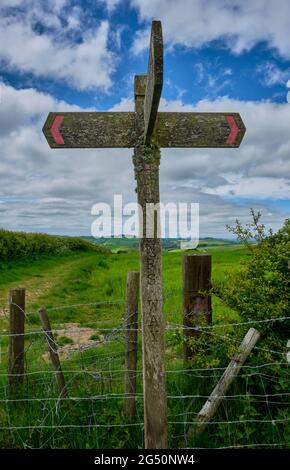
131,326
214,400
196,270
52,349
16,340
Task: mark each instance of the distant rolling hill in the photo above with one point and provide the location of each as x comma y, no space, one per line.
132,244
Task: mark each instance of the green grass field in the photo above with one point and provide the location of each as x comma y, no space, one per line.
93,417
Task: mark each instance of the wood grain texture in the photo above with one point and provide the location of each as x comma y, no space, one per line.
197,311
197,130
108,130
154,80
131,332
211,406
16,340
146,161
140,82
93,130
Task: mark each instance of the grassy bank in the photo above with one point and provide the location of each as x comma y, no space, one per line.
93,416
22,246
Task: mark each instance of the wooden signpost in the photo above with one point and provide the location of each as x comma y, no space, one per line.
146,130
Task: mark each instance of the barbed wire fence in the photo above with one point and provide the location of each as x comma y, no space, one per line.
254,414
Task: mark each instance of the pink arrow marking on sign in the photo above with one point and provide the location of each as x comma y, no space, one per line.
55,130
234,130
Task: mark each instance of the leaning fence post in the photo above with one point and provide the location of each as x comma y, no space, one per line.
196,271
16,339
131,327
214,400
52,349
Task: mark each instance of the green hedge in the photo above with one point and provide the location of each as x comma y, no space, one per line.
260,290
20,245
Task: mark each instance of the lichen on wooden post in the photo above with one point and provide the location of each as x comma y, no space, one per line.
146,161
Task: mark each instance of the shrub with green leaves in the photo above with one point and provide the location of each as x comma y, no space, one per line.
261,289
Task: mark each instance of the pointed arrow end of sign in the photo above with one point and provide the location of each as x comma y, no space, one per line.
234,130
55,132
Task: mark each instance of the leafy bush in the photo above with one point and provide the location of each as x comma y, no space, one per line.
261,289
20,245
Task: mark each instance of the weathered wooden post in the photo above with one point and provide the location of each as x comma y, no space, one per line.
131,327
216,397
52,349
147,130
196,270
146,161
16,340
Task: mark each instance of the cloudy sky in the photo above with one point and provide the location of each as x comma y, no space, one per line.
222,55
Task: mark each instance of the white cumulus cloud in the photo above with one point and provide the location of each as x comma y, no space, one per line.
241,24
53,190
85,64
